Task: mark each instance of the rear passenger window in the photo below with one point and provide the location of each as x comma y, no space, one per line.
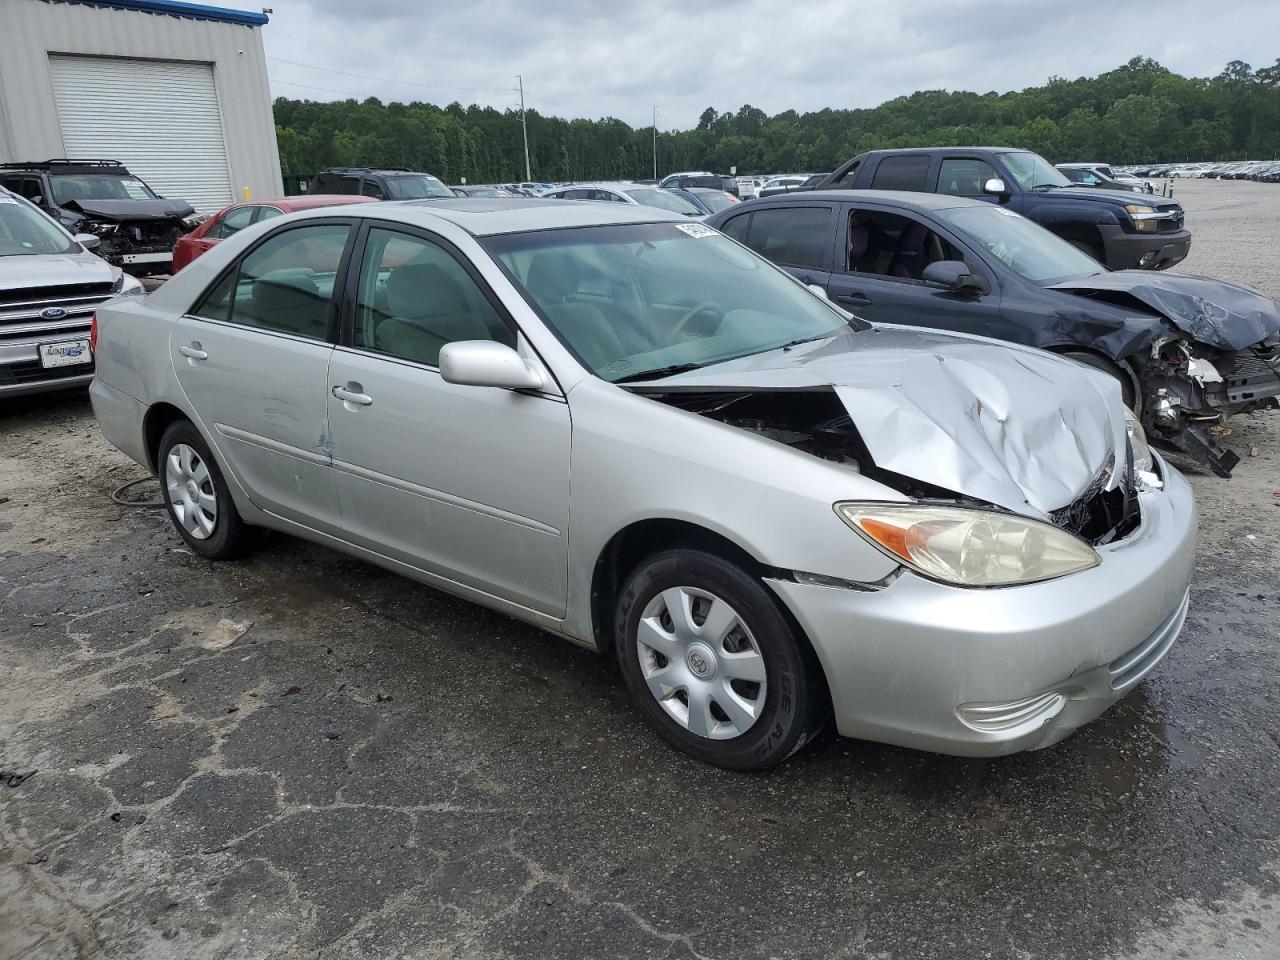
284,285
415,297
902,173
791,236
232,223
964,177
736,227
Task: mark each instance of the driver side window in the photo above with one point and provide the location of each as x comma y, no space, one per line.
892,246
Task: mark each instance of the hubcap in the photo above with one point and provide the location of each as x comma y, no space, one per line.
701,663
191,494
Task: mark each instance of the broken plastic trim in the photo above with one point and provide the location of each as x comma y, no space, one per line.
836,583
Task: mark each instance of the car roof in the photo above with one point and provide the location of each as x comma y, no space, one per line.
902,198
489,216
312,200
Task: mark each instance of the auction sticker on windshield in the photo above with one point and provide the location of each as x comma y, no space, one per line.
5,198
65,353
696,230
135,189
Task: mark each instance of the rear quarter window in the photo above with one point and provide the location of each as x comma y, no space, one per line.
903,173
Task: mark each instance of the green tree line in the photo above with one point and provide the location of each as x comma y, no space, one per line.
1140,112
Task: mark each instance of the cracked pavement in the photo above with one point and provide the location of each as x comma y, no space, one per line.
377,770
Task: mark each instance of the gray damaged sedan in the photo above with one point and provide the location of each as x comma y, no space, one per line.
628,430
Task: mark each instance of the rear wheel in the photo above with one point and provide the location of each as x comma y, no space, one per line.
1117,372
714,664
197,497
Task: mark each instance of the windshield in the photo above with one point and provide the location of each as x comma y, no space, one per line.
1026,247
1033,172
98,186
24,231
418,187
633,299
664,200
716,200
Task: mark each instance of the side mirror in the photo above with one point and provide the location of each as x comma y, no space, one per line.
38,200
818,290
87,240
995,186
483,363
955,276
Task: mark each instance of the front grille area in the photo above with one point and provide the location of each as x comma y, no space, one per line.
1100,515
30,371
20,310
1170,226
149,236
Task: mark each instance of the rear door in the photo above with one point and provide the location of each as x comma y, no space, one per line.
253,357
798,238
470,484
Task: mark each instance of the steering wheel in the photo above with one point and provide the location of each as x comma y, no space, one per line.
696,310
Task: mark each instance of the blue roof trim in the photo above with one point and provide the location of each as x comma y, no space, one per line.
179,8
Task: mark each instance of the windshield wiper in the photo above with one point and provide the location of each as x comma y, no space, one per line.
1046,186
795,343
658,372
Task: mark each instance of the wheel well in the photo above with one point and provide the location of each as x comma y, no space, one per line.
630,545
157,421
1122,364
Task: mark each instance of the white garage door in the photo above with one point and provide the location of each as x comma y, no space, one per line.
158,117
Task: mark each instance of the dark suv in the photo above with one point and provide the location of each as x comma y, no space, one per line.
1118,229
136,227
386,184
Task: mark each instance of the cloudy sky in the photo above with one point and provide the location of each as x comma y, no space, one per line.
588,59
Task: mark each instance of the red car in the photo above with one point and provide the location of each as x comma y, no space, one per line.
233,219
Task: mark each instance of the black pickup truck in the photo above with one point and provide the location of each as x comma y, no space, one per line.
1121,230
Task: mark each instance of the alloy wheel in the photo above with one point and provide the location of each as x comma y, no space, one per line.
701,663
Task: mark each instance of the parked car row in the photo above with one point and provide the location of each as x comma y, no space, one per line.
1267,171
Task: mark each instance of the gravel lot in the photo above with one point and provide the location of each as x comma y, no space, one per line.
376,770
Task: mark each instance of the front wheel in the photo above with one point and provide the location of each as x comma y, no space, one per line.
714,664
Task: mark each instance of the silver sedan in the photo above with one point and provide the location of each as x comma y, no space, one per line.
626,429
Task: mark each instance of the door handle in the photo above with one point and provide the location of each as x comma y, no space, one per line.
351,393
193,352
859,299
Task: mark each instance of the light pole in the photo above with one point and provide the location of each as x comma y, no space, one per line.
655,143
524,129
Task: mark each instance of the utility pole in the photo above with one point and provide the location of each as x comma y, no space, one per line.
655,143
528,175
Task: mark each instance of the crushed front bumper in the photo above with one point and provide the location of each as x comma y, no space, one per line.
990,672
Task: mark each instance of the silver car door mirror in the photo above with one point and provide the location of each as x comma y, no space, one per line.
86,240
995,186
483,363
817,290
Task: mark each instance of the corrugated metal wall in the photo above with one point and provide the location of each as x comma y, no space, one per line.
30,30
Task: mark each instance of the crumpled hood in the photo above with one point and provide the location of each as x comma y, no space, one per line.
119,211
1215,312
1018,428
52,270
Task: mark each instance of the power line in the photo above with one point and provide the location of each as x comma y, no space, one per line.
365,76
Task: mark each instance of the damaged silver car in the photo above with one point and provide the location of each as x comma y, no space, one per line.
626,429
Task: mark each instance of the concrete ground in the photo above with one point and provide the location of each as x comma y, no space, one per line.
376,770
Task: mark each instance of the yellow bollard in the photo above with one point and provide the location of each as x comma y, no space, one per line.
245,189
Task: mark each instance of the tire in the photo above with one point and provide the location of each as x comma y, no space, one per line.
1108,367
196,496
756,664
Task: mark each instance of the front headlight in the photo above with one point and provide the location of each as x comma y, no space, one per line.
1141,214
128,286
1142,459
969,548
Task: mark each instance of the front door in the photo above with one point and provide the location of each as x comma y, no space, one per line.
253,359
468,483
885,253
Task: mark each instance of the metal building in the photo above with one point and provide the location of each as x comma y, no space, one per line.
176,91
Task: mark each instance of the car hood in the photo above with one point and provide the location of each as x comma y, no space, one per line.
1215,312
119,211
1018,428
51,270
1101,195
